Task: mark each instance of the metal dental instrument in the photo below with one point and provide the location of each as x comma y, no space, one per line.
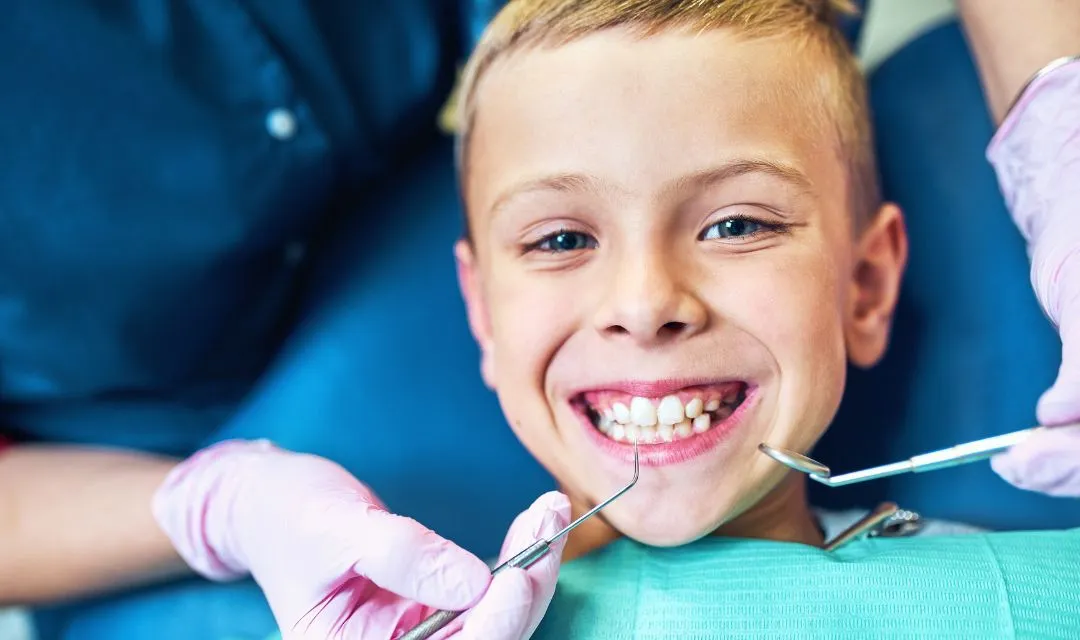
864,527
941,459
886,521
530,556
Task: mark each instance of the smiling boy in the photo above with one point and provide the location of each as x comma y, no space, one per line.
675,236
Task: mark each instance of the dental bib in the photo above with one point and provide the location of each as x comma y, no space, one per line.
994,585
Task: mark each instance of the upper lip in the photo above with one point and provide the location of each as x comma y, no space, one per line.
653,388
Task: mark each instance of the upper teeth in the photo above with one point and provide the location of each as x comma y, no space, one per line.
643,412
670,411
665,421
695,407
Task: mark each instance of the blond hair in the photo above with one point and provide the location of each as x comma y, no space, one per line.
811,24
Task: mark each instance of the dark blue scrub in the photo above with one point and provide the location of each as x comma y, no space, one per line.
167,169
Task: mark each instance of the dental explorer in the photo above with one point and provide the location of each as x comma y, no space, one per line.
530,556
940,459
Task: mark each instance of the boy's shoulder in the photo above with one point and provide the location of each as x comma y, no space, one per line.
834,522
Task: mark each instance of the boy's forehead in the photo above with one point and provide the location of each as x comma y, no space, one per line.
643,108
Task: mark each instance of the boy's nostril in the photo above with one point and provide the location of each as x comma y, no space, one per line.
672,328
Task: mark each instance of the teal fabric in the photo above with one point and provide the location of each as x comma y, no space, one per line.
995,585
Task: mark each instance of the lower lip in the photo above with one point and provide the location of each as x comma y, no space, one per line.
669,453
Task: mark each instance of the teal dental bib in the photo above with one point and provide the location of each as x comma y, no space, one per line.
995,585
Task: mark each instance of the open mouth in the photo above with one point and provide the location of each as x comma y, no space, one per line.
622,417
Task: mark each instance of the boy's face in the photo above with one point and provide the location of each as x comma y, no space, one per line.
666,217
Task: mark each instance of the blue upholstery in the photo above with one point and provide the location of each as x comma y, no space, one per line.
971,351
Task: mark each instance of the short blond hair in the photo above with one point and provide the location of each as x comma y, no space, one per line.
810,24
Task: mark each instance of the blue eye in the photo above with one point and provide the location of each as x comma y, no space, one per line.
565,241
733,228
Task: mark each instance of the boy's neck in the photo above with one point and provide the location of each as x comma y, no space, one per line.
784,515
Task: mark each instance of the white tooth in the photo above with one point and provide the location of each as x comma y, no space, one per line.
608,414
702,423
648,435
683,430
621,413
666,432
606,425
642,412
670,410
712,405
694,408
633,433
618,432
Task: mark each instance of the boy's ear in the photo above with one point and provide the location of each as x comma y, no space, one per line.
880,258
472,291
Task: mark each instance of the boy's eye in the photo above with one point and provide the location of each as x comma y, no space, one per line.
565,241
733,228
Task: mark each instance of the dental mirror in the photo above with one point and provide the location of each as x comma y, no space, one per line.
941,459
796,461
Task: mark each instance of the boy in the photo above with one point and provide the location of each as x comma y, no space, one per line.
675,236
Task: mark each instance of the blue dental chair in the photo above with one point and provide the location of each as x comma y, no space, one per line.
382,322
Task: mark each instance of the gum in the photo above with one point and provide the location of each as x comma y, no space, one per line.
727,392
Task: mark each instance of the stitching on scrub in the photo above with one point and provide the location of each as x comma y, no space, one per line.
637,598
1001,583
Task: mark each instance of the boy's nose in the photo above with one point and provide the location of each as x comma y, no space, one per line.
649,303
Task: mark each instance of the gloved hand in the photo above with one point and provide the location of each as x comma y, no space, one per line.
1036,154
332,562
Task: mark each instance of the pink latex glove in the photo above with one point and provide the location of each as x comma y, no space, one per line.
1036,154
332,562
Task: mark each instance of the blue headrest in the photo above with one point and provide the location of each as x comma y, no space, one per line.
971,350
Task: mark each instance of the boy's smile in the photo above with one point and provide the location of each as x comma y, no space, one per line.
663,249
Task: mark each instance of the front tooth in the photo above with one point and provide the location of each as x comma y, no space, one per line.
702,423
670,411
633,433
665,432
694,408
683,430
648,435
618,432
642,412
621,413
712,405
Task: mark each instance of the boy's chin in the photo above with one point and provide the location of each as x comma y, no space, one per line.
656,531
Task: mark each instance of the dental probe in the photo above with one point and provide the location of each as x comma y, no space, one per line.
940,459
530,556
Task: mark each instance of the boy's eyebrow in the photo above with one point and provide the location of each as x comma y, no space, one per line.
739,167
565,183
579,182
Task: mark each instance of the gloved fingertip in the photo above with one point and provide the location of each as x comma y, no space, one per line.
503,612
460,580
556,502
550,513
1004,465
1056,407
411,561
